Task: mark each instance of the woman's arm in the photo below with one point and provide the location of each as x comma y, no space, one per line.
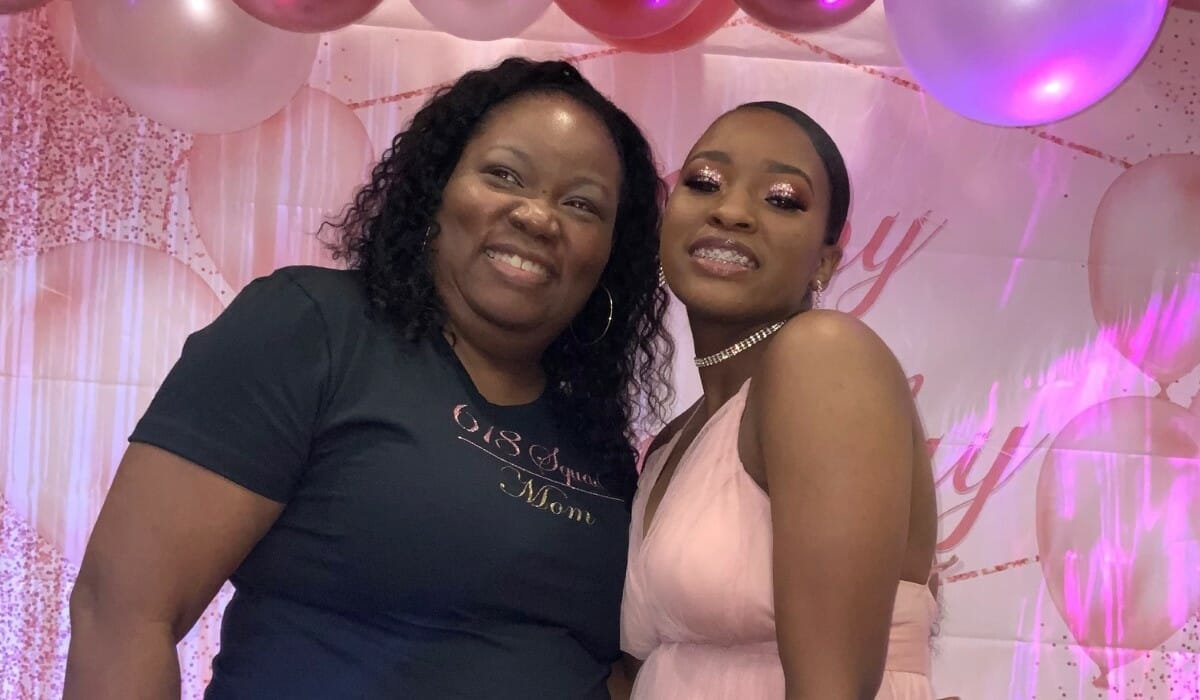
834,432
169,534
235,418
620,681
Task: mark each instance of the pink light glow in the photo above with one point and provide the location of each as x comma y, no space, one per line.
1062,84
1117,527
1055,87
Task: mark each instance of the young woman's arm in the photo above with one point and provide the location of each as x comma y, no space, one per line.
834,427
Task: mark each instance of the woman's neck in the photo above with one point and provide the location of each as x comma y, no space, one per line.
720,381
504,378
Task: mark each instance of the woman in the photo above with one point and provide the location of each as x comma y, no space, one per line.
784,527
416,471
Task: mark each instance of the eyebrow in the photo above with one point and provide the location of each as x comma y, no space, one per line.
527,160
522,155
593,181
718,156
773,166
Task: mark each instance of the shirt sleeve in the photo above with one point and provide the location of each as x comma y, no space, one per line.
245,397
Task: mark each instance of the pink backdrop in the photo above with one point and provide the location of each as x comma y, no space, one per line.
1041,286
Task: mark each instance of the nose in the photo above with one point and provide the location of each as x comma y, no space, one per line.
733,212
534,217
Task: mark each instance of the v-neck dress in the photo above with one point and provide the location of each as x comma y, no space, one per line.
699,603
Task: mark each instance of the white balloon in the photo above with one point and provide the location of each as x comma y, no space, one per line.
482,20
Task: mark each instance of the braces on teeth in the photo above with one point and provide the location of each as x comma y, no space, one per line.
724,256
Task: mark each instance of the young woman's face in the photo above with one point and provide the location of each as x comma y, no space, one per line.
743,237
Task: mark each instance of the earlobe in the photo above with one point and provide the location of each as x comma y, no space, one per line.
831,255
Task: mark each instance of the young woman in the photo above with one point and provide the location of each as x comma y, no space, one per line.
783,531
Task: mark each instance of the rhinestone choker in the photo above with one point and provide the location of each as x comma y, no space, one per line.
744,344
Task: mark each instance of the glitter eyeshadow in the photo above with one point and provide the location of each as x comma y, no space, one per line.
782,189
709,175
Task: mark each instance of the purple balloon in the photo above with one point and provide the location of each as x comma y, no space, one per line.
313,16
1022,62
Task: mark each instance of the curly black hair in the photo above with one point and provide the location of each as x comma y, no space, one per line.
601,388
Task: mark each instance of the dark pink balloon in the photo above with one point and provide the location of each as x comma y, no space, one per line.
12,7
1118,526
803,15
627,19
706,19
309,16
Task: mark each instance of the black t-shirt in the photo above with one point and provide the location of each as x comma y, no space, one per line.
433,545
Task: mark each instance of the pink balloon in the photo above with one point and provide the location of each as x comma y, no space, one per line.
1022,62
203,66
707,18
12,7
90,331
804,15
61,18
627,19
482,20
259,195
1118,512
309,15
1144,265
1188,4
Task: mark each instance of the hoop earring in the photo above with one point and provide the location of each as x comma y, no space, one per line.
607,323
818,295
428,235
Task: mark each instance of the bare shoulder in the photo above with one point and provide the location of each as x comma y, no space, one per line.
833,345
834,435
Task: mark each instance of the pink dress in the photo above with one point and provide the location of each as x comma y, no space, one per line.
699,606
